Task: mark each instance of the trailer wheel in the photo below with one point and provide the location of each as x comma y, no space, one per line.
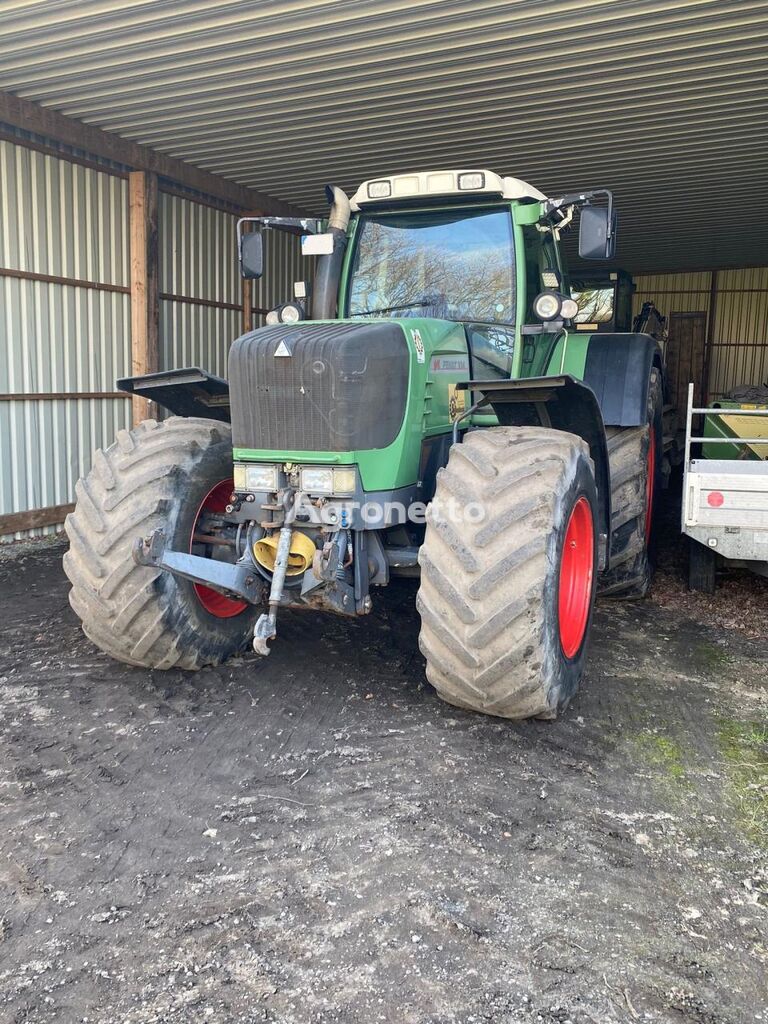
702,566
635,456
169,475
508,569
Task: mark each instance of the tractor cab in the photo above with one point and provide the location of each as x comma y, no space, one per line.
462,247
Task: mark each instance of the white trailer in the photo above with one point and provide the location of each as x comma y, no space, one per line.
725,504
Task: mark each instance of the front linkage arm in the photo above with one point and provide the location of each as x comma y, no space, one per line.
238,580
266,627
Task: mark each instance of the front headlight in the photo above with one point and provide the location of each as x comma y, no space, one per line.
471,180
553,305
255,477
315,480
379,189
546,306
344,481
291,313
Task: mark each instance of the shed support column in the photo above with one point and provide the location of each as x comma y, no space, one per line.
710,338
145,316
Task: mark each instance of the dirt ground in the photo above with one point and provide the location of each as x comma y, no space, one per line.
317,838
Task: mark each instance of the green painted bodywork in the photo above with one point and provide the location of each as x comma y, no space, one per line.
426,411
432,397
715,426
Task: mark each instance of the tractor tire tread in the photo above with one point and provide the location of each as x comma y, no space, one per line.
480,596
127,494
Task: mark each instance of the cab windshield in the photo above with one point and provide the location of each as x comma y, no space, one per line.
453,265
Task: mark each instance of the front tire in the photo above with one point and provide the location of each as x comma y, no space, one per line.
505,604
156,476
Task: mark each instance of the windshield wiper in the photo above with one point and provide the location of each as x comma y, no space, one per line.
401,305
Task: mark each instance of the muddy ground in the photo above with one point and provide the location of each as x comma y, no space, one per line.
317,838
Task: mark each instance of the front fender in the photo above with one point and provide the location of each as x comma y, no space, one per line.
189,391
562,403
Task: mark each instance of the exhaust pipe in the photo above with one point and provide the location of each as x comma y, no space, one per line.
326,288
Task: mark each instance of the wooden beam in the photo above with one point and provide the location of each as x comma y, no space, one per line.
73,282
145,316
32,518
59,396
33,117
191,301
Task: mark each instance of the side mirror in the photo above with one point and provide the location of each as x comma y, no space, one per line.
251,254
597,232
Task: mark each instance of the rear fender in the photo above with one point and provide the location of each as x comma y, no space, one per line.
618,369
562,403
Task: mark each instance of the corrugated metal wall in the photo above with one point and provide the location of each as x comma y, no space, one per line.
738,348
201,296
72,335
740,344
201,305
64,220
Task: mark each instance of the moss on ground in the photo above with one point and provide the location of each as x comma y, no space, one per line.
663,754
744,746
712,656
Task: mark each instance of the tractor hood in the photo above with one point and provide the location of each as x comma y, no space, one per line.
335,386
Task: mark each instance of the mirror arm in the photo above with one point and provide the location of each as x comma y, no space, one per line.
581,199
294,225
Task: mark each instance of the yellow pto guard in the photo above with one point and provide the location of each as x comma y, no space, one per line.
299,559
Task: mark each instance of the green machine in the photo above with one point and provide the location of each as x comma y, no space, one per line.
424,407
733,423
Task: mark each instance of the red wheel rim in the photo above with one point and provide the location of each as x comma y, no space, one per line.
216,500
577,565
650,484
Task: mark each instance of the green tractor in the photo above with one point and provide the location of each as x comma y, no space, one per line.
424,407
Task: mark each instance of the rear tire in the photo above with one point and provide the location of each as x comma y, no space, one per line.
491,592
702,567
154,476
629,457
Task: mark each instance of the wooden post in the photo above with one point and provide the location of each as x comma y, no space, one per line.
145,315
710,338
247,305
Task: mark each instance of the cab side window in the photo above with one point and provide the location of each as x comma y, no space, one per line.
491,347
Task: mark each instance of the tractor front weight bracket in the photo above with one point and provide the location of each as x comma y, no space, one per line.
239,580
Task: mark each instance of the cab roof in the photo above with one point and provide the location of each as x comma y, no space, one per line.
465,182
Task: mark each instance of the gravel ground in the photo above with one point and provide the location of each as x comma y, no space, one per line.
317,838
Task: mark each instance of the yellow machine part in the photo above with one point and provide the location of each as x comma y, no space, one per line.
749,426
299,559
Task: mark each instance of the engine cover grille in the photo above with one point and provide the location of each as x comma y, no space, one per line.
343,387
